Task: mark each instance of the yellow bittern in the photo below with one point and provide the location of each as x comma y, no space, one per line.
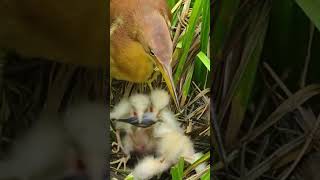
140,41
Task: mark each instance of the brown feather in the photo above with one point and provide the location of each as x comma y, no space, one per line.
140,27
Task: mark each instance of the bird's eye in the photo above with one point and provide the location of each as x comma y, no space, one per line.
152,52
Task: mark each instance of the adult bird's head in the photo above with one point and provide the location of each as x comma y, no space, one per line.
140,34
155,38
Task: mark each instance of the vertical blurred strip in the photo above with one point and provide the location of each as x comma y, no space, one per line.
107,91
223,13
246,73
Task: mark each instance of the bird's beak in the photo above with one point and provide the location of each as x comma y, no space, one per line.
147,120
131,120
158,37
166,72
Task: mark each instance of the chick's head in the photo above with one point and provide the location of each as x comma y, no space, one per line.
140,104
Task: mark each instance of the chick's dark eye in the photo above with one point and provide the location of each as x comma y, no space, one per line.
151,52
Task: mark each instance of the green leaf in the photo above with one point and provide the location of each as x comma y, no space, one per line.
187,40
175,18
205,26
171,3
245,75
179,44
200,72
312,9
186,85
129,177
206,176
204,59
177,170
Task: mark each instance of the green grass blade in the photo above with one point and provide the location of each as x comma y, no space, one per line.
312,9
186,85
204,59
129,177
205,26
245,75
171,3
200,72
206,176
177,170
179,45
175,18
188,37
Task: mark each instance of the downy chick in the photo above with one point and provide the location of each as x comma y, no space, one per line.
159,99
171,141
140,104
135,139
169,148
141,138
122,110
43,152
159,106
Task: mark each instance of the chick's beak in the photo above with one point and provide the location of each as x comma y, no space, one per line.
148,119
166,72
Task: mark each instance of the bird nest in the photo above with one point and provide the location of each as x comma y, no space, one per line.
193,117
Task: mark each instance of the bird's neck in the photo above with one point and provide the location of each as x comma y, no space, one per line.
133,64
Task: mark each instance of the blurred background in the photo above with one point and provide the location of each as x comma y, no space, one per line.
265,91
